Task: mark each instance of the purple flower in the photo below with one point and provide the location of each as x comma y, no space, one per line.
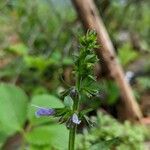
41,111
75,119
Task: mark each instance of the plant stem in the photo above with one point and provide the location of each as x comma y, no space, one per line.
72,132
72,137
73,129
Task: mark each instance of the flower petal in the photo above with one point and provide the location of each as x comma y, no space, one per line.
75,119
45,112
41,111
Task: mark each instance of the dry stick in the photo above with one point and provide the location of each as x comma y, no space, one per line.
90,18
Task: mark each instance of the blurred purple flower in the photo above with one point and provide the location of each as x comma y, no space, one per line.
44,112
75,119
41,111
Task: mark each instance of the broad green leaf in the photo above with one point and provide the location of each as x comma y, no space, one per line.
55,136
13,106
43,100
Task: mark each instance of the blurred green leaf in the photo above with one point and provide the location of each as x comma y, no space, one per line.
55,136
43,100
13,106
37,62
127,54
19,49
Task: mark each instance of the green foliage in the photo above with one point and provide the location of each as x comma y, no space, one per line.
51,136
89,87
105,145
109,133
86,58
41,35
127,54
38,62
144,83
43,47
19,49
84,63
43,100
14,110
111,90
129,16
13,107
36,40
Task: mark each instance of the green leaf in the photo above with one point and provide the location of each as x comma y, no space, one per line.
127,54
85,111
89,87
13,106
43,100
19,49
68,101
54,135
38,62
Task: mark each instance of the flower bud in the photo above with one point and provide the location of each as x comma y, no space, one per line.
73,93
75,119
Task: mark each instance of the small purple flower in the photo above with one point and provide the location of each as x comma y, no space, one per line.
75,119
44,111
